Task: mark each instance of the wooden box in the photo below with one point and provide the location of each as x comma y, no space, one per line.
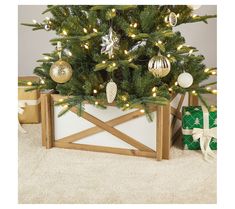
113,130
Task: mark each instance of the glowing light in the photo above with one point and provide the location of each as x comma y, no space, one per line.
103,62
61,100
46,57
170,89
113,10
130,60
178,15
179,47
112,56
168,55
124,98
133,35
208,88
206,70
142,111
154,89
85,30
29,83
214,91
135,25
86,46
65,32
160,42
96,103
70,53
42,81
95,30
95,91
47,18
213,72
191,51
194,16
176,83
154,94
114,64
34,21
125,51
127,105
194,92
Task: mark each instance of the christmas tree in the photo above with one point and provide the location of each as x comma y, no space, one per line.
128,54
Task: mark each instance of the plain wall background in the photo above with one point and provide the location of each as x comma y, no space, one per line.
33,43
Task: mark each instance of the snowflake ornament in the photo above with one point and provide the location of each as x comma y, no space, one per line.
109,43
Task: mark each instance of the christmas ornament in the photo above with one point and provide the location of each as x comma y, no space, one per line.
137,45
171,19
61,71
194,7
185,80
109,43
159,66
111,91
47,27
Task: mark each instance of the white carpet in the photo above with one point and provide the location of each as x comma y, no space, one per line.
72,176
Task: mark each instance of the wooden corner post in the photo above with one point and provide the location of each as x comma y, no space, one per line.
192,100
47,120
166,131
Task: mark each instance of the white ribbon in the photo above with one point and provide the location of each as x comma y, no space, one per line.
21,105
204,135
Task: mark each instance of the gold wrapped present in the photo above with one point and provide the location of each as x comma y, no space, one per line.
28,101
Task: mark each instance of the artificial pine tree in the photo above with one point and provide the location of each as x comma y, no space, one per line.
133,46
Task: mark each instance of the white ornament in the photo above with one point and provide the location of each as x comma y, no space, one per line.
185,80
109,43
194,7
111,91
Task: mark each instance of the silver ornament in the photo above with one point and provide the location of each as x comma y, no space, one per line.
185,80
109,43
111,91
47,27
138,45
159,66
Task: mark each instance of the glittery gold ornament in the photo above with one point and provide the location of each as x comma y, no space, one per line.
159,66
61,71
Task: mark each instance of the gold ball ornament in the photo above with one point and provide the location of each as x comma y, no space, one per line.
159,66
61,71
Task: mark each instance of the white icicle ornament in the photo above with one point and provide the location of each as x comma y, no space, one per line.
111,91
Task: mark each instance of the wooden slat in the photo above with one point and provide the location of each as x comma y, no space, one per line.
49,121
166,132
96,129
113,131
176,113
177,134
174,120
43,117
95,148
192,100
159,133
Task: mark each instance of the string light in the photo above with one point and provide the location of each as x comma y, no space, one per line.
86,46
130,60
65,32
214,91
34,21
191,51
154,89
208,88
170,89
46,57
194,16
142,111
29,83
95,30
96,103
103,62
176,83
194,92
154,94
95,91
127,105
112,56
85,30
114,64
179,47
65,106
160,42
42,81
125,52
213,72
131,25
124,98
206,70
168,55
61,100
113,10
133,35
178,15
135,25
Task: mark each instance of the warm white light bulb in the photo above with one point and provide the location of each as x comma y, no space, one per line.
34,21
95,30
85,30
142,111
96,103
103,62
29,83
95,91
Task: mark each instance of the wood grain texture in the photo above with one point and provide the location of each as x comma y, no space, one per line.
113,131
43,117
49,121
114,150
159,133
166,132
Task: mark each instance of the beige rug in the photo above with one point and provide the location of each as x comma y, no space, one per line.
71,176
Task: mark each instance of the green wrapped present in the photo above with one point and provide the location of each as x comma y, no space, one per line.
199,129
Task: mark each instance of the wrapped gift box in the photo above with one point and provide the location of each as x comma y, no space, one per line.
28,101
193,119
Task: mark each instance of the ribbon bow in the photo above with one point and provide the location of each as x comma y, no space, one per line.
205,136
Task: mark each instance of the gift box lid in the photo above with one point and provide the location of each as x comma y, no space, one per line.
192,117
